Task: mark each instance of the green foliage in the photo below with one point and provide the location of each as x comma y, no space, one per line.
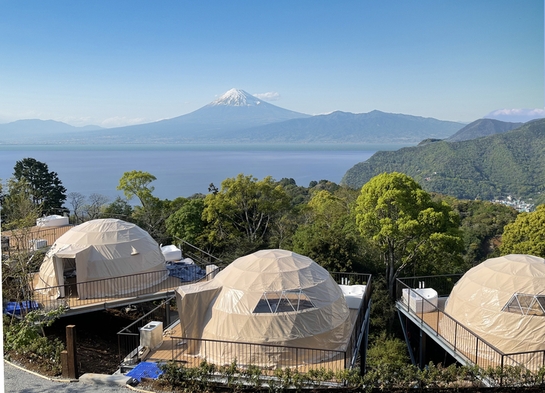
45,188
511,163
407,227
136,183
187,223
329,235
18,209
243,212
24,337
153,212
383,309
387,351
526,235
119,208
482,224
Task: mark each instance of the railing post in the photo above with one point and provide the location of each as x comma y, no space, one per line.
437,327
501,368
455,335
476,350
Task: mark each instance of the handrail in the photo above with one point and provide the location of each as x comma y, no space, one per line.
137,285
479,351
210,256
349,355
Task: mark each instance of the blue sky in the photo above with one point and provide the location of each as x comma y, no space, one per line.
114,63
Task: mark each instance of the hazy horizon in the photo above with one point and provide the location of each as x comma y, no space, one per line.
130,62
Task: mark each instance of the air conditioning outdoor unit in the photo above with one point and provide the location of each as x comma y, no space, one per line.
36,244
151,335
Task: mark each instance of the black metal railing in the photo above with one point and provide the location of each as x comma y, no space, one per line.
268,356
265,356
128,338
464,342
196,254
32,239
75,294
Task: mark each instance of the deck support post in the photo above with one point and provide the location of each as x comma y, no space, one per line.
422,355
72,362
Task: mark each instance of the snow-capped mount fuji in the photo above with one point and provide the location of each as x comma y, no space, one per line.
236,97
235,110
239,117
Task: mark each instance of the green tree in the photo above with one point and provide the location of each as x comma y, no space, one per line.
136,183
526,235
46,189
119,208
329,235
153,212
407,227
243,211
482,224
187,223
22,217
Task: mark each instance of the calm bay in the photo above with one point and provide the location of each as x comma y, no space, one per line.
183,170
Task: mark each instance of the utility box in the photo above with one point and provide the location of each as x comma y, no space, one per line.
151,335
36,244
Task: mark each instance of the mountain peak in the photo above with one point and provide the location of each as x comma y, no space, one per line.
236,97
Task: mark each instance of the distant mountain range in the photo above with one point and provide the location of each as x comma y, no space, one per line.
506,163
372,127
482,127
238,117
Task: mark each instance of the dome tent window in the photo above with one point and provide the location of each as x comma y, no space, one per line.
283,301
526,304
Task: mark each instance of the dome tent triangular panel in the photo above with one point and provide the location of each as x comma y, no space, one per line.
235,311
480,301
103,249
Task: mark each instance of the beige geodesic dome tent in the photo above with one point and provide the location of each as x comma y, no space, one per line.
502,300
274,297
102,249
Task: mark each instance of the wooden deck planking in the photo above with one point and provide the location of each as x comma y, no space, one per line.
74,303
174,348
460,340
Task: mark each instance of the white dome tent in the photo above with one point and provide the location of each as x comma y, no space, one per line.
102,249
502,300
274,297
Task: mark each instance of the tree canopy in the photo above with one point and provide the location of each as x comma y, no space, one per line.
44,186
407,227
244,210
136,183
329,235
526,235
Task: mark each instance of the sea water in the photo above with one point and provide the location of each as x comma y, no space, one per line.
184,170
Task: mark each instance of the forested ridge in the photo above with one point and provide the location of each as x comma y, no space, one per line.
511,163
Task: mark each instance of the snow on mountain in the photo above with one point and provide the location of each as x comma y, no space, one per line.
236,97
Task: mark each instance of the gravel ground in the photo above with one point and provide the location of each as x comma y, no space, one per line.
18,380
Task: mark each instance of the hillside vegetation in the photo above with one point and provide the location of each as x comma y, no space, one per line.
511,163
482,127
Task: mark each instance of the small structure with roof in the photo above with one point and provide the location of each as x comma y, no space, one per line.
100,250
270,297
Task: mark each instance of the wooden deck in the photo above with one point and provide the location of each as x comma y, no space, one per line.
455,338
175,348
75,305
23,239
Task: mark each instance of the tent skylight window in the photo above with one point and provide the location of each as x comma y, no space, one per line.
526,304
283,301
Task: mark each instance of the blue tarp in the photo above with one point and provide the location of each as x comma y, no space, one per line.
145,370
185,272
18,307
